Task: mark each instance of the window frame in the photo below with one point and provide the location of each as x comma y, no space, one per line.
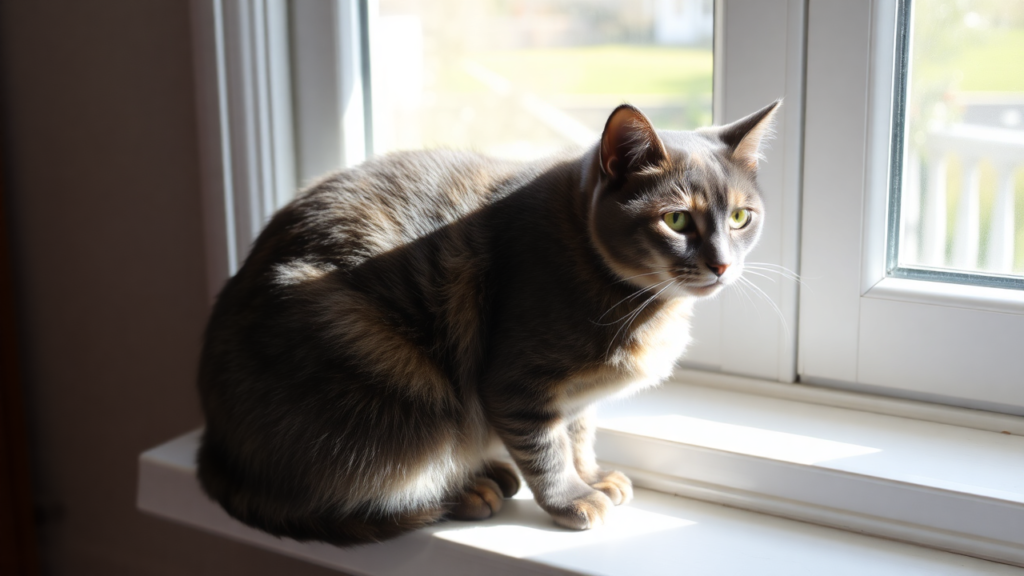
862,329
261,111
246,132
329,65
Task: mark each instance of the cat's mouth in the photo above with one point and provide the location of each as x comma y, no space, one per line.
707,289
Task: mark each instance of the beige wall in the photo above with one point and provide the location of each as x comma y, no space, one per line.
101,165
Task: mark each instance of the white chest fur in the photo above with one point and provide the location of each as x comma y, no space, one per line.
658,344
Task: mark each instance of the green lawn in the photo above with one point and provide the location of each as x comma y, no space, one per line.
995,64
606,69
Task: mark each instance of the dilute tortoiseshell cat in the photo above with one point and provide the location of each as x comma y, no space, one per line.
397,317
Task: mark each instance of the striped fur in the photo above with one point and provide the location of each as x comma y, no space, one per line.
396,318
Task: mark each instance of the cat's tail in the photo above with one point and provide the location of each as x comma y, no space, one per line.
301,521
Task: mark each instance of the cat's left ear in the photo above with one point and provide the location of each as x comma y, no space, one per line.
630,144
746,136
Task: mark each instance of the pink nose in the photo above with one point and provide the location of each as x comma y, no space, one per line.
718,269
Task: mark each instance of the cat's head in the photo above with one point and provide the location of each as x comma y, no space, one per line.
678,210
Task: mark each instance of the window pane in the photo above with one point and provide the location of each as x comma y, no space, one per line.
962,198
525,78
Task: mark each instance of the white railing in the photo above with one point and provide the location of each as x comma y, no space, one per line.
924,236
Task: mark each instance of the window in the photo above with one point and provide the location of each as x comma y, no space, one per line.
523,80
863,324
958,144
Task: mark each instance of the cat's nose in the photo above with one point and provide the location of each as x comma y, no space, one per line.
718,269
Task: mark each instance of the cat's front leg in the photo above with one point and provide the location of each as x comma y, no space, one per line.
543,451
616,485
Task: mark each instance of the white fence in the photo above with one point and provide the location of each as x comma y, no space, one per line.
924,236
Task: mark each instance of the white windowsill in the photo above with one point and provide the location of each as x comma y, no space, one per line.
944,486
950,487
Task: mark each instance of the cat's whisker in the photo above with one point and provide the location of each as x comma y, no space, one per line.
786,275
669,281
633,316
659,271
780,274
616,305
773,265
753,296
782,317
631,297
766,277
742,287
654,286
777,269
636,314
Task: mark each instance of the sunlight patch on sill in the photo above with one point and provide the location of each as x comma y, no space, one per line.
527,531
782,446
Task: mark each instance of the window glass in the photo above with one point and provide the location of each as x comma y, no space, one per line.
524,78
961,207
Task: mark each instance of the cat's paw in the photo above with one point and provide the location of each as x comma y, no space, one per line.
583,513
480,501
504,474
616,485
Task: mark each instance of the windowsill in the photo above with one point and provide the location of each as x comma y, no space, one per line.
950,487
944,486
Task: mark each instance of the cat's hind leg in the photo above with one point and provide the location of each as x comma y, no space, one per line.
504,474
480,500
300,518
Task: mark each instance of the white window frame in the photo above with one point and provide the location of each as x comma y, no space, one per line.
256,147
252,134
929,341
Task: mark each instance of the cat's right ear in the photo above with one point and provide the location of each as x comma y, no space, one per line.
630,144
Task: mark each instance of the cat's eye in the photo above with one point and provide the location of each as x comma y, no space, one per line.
678,221
739,218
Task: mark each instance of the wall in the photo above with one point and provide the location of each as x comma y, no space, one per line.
102,174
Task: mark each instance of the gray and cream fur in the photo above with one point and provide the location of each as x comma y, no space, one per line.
396,318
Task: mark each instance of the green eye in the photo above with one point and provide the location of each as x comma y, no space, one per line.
739,218
678,221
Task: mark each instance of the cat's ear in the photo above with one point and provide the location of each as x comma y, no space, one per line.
630,144
746,136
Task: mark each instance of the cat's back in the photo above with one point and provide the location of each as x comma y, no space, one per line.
385,203
387,239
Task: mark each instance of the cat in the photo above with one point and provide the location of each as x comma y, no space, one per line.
396,318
